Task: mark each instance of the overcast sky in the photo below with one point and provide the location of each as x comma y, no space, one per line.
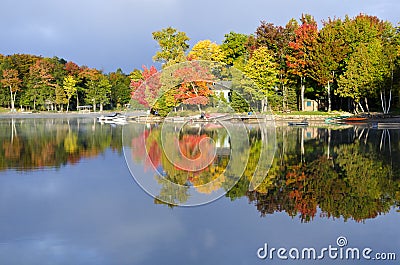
111,34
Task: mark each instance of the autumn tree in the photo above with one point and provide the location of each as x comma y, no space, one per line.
145,90
277,39
300,59
70,88
11,82
206,50
41,83
194,84
172,44
20,62
329,52
135,75
72,69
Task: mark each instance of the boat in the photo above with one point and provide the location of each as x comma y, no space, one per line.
336,120
386,125
116,118
298,123
355,119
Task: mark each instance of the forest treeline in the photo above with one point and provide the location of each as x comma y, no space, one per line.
32,82
344,64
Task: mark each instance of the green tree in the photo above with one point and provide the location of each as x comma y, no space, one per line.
364,74
263,70
364,38
173,45
327,56
361,29
391,42
277,39
120,90
98,91
238,103
234,47
61,97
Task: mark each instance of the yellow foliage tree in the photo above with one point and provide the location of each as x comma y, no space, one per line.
207,50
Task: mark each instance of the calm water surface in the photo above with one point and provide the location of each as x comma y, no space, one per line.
67,195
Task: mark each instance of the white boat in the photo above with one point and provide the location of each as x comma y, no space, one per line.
116,118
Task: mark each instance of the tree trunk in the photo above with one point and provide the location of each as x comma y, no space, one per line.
283,93
284,106
101,107
386,104
302,145
67,105
366,104
94,106
361,107
264,105
328,153
329,97
12,100
383,104
302,89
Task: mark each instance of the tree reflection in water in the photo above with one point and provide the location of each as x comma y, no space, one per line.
339,173
28,144
344,173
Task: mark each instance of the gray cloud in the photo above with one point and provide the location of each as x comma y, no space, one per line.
109,34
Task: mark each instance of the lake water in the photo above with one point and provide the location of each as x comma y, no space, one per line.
67,195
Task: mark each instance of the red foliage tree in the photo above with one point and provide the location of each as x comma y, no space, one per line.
195,83
72,68
145,90
300,60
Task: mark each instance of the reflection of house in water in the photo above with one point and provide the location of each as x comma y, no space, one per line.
223,146
310,133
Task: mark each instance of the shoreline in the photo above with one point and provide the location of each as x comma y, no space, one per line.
278,118
61,115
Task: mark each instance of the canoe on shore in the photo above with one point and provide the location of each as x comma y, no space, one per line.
355,119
